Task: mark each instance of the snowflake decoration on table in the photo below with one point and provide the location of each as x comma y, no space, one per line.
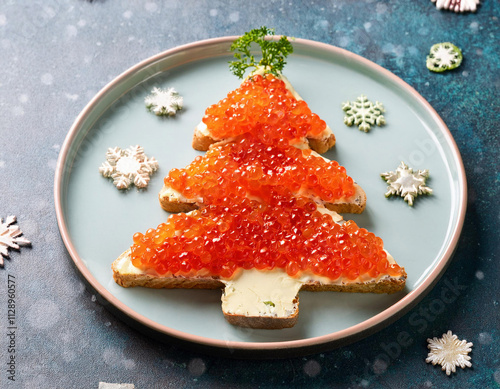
10,237
457,5
363,113
449,352
128,166
164,102
444,56
406,183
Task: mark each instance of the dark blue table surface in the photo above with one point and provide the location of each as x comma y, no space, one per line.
56,55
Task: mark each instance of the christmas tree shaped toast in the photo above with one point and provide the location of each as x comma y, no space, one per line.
263,100
257,217
266,96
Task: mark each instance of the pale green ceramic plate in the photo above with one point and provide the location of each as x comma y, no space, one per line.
97,221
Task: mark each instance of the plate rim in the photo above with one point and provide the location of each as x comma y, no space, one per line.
348,335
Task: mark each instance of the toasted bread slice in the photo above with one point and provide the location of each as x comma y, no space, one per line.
204,136
267,298
250,165
245,315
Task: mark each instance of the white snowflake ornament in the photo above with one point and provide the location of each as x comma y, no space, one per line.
457,5
406,183
363,113
128,166
449,352
164,102
10,237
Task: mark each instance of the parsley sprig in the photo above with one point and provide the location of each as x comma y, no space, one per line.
274,52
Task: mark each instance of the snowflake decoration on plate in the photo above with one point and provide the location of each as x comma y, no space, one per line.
10,237
457,5
449,352
406,183
128,166
363,113
164,102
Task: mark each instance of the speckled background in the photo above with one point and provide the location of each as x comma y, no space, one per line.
56,55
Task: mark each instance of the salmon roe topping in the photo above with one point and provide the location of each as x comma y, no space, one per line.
263,106
289,233
247,167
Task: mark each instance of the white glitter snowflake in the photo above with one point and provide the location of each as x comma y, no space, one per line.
164,102
363,113
128,166
106,385
449,352
406,183
457,5
10,237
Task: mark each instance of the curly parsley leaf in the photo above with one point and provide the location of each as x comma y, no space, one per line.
274,52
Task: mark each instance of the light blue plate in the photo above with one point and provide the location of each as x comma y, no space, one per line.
97,221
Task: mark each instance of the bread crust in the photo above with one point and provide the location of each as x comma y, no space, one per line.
202,142
265,322
174,204
322,145
356,205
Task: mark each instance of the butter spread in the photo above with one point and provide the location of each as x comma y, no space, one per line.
261,293
176,196
124,266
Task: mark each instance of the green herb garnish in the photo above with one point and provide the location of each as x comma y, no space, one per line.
269,303
274,52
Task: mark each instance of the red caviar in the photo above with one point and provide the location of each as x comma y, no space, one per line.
243,233
257,199
263,106
247,167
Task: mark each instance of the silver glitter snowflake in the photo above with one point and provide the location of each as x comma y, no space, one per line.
164,102
128,166
10,237
457,5
449,352
406,183
363,113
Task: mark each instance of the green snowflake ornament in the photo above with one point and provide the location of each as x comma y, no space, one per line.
444,56
363,113
406,183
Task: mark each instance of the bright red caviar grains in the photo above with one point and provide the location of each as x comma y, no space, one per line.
246,167
264,107
257,194
231,234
